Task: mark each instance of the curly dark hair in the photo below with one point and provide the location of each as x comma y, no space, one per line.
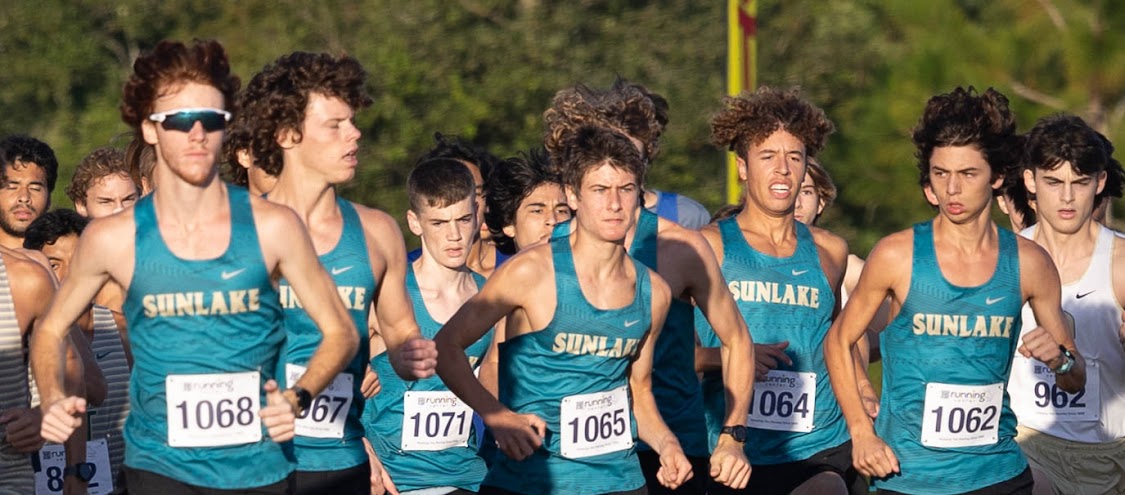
26,149
50,226
750,118
140,160
625,107
458,149
95,166
238,139
511,181
170,63
590,147
1062,139
276,99
964,118
439,183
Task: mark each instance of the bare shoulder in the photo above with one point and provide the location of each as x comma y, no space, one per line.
273,218
831,243
1033,257
661,292
893,252
376,221
527,265
713,237
27,276
680,239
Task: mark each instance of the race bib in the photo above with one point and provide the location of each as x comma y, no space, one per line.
325,416
785,401
212,410
435,420
961,415
595,424
1047,401
52,460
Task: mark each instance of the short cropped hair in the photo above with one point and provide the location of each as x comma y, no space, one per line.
510,183
750,118
964,118
625,107
1068,139
277,98
99,164
458,149
439,183
26,149
50,226
825,188
590,147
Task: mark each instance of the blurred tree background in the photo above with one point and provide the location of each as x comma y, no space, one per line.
486,69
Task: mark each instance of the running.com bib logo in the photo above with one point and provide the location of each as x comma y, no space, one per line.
606,401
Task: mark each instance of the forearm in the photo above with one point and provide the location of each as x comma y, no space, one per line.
84,377
1075,379
738,375
454,370
336,349
48,363
651,428
489,375
709,359
842,374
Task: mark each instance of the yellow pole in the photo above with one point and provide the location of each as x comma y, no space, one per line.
742,69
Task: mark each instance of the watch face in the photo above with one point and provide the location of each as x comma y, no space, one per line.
86,471
738,433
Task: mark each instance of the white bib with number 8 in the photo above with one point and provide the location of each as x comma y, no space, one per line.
325,416
595,424
961,415
52,461
212,410
435,420
785,401
1049,402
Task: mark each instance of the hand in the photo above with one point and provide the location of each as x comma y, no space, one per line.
416,359
674,467
872,457
278,416
381,483
22,427
62,418
729,464
517,435
1039,344
867,395
370,385
767,357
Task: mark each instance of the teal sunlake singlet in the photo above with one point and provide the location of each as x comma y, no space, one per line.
329,435
794,413
573,375
674,382
206,336
422,433
946,360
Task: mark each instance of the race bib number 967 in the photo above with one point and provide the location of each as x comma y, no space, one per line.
325,416
961,415
212,410
595,424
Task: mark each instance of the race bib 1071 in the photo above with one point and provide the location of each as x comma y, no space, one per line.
435,420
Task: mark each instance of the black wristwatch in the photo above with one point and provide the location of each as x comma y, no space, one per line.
737,432
84,471
304,399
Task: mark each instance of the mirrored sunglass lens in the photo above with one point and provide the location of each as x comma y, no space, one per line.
184,121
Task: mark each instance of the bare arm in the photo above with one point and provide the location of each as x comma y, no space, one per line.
411,356
1042,290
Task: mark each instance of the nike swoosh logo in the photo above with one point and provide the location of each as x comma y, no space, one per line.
1080,296
631,323
337,271
229,275
101,355
798,273
990,301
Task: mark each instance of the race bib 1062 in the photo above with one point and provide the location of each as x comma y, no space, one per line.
435,420
961,415
327,413
212,410
595,424
785,401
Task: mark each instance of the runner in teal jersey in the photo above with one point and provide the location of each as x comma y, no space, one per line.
301,112
576,357
956,285
197,259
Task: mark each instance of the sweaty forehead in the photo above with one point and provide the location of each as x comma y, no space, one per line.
21,171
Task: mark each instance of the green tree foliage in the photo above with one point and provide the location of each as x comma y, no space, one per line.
486,69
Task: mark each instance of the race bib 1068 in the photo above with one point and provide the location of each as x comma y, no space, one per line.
435,420
325,416
212,410
52,460
961,415
785,401
1047,401
595,424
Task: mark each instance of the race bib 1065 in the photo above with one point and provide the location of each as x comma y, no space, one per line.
595,424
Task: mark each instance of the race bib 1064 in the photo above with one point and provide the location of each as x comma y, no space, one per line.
52,460
785,401
961,415
435,420
327,413
595,424
212,410
1047,401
